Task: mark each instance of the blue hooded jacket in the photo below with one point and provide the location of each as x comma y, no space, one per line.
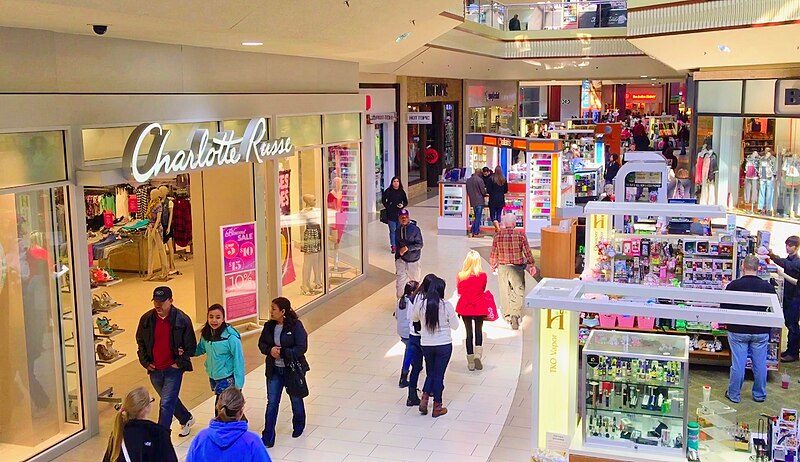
227,441
224,357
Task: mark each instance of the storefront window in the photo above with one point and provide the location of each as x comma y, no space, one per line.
344,213
32,158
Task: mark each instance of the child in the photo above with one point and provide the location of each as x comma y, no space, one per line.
403,327
222,346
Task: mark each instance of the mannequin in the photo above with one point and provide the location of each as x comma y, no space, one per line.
767,167
751,179
167,224
336,205
708,191
791,182
311,246
698,172
154,236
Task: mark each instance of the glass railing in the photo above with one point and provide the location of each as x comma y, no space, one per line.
546,15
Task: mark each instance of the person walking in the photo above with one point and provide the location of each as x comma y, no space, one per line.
134,438
222,345
748,340
437,318
511,256
497,189
394,200
476,189
472,306
409,251
414,341
401,314
283,336
166,343
791,299
227,436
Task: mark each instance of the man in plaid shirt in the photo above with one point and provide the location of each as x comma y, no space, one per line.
511,256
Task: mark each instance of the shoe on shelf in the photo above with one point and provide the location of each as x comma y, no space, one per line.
186,428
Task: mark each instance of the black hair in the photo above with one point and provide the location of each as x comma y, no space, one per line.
433,298
793,241
399,181
289,315
209,333
411,287
423,286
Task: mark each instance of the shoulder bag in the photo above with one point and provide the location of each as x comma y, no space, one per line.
295,379
384,216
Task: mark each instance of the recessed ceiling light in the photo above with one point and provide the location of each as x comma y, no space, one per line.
553,80
653,79
643,76
724,48
402,37
252,44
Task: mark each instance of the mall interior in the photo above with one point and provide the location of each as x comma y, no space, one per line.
647,148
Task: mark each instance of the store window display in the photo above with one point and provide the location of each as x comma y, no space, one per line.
343,213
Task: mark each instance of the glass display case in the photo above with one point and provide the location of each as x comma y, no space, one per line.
634,391
588,183
541,186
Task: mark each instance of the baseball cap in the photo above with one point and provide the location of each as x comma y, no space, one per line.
403,212
162,293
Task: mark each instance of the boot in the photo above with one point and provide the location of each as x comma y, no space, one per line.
403,379
471,362
413,399
478,356
423,403
438,410
514,322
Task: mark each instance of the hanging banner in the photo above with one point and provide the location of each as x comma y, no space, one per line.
284,203
239,270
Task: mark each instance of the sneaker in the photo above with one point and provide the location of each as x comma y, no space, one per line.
186,428
786,358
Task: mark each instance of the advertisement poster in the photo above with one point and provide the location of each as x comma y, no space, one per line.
239,270
284,202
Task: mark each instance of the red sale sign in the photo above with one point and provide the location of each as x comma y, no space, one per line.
239,270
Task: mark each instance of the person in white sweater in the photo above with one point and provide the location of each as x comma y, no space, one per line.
434,318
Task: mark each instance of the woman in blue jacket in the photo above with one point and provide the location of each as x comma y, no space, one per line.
222,346
227,437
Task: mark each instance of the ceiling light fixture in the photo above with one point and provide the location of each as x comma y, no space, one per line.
402,37
724,48
252,44
653,79
643,76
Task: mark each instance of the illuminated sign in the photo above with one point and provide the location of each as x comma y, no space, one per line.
222,149
435,89
505,142
419,118
381,118
643,96
492,95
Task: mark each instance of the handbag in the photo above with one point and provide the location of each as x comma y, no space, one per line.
295,379
384,216
491,307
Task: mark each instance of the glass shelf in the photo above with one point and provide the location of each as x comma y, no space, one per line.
634,412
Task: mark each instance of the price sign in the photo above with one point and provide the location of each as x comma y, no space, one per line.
239,270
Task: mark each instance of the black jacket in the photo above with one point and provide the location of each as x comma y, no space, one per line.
792,267
182,337
390,199
612,168
409,236
749,284
497,194
294,340
146,442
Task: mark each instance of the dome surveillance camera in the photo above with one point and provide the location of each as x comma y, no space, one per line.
100,29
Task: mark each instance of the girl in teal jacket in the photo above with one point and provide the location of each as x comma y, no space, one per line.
222,346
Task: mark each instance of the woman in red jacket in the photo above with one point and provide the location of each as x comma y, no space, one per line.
472,306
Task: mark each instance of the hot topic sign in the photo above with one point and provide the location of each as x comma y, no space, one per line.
239,270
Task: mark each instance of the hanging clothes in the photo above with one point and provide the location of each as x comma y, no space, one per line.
182,222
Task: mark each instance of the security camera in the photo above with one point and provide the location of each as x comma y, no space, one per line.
100,29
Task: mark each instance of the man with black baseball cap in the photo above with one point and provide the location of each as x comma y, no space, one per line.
166,344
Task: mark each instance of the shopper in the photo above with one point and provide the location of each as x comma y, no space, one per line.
476,189
134,438
414,341
472,306
640,136
401,314
791,299
409,251
227,436
222,345
497,189
283,337
612,168
394,199
752,340
514,23
511,256
669,154
166,343
437,318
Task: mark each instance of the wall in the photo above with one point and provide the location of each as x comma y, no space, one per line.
383,100
416,90
478,90
571,93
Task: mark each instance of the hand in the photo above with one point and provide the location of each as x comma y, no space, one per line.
151,367
532,270
175,366
275,352
180,351
780,271
403,250
400,206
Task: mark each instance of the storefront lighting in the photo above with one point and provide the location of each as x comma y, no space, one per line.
252,44
724,49
402,37
643,76
653,79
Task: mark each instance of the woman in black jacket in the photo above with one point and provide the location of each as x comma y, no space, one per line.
394,200
283,336
497,189
136,439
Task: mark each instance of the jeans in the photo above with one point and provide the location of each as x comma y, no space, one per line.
476,225
275,385
436,359
407,356
765,194
791,318
756,345
495,213
393,225
416,364
478,321
167,384
512,289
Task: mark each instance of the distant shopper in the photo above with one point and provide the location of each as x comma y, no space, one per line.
403,317
669,154
603,14
752,340
166,343
612,168
497,189
227,436
472,306
409,250
437,318
640,136
476,189
222,345
487,176
511,256
514,23
134,438
394,199
282,339
791,298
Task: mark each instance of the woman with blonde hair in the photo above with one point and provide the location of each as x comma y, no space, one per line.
136,439
472,306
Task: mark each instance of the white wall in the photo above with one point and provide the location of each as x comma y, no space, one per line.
573,108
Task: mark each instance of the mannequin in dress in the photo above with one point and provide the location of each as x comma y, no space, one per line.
708,191
336,219
698,172
311,246
767,168
791,182
751,179
167,224
155,236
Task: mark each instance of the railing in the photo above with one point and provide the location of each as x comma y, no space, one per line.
576,14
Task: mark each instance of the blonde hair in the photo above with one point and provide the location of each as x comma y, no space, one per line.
133,405
230,403
472,265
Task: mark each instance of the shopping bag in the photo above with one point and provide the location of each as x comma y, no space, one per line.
491,307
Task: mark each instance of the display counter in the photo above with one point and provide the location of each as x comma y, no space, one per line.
453,206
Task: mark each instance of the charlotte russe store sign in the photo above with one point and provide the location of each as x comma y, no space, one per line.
204,152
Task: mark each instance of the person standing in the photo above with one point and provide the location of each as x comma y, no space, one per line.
394,200
497,189
514,23
640,136
166,343
511,256
401,314
134,437
283,336
409,251
476,189
748,339
414,340
222,345
472,306
612,168
437,318
791,299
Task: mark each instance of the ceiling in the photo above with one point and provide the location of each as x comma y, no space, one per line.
365,31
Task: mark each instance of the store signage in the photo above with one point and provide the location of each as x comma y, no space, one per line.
239,270
505,142
492,95
644,96
435,89
557,362
565,101
204,152
382,118
420,118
